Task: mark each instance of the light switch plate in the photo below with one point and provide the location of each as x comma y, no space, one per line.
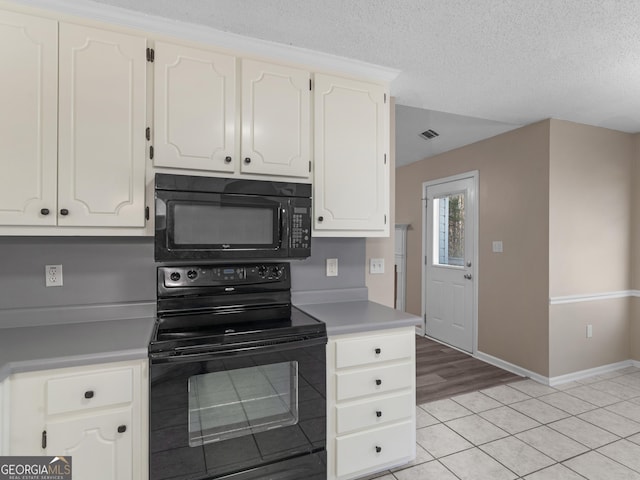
376,265
332,267
497,246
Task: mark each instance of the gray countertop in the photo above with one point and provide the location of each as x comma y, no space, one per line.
358,316
32,348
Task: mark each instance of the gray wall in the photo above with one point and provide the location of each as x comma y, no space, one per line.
109,270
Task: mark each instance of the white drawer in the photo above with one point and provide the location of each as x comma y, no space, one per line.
371,413
80,392
374,349
380,379
381,446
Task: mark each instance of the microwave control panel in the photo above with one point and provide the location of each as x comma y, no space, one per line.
300,228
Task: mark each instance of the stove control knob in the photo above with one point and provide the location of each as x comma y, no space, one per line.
263,271
276,272
192,274
175,276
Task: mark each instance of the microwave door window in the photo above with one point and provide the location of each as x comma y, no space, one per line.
214,226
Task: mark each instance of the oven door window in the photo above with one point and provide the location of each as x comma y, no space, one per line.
240,402
224,225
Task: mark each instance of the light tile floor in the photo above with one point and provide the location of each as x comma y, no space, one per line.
589,429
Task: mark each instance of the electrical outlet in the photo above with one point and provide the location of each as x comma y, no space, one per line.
332,267
376,265
589,331
53,275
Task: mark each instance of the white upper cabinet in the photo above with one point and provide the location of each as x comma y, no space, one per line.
351,172
72,144
195,109
28,124
102,119
276,120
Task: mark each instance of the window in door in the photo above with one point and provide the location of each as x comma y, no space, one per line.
449,219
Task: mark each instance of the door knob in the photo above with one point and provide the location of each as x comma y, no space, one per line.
227,159
247,160
468,276
44,211
64,212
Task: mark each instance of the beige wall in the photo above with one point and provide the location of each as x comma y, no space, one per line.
590,191
513,204
635,252
381,286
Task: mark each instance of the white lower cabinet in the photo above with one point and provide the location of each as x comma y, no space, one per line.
95,414
371,397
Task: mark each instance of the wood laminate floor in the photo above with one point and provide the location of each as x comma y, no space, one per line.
443,372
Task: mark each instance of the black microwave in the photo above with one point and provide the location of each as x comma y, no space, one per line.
210,218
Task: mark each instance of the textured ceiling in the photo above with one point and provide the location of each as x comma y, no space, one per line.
513,62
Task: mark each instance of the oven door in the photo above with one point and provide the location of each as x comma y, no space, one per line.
253,415
201,226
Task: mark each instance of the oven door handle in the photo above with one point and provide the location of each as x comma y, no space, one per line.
234,351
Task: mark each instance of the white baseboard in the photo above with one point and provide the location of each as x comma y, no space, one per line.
560,379
590,372
510,367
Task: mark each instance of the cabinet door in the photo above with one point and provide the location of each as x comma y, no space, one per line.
276,120
101,128
28,123
351,174
194,109
100,445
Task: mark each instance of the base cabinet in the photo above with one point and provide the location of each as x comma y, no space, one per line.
96,414
371,397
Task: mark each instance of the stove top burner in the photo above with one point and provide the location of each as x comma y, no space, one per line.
212,310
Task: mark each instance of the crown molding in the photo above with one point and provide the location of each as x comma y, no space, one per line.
211,36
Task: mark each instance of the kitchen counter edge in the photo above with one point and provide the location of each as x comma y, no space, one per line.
45,347
358,316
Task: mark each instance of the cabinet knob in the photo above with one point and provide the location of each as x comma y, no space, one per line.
378,351
44,211
122,428
64,212
88,394
378,449
378,381
247,160
378,413
320,218
227,159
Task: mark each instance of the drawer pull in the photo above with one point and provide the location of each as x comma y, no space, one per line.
378,413
378,351
378,449
122,428
88,394
378,382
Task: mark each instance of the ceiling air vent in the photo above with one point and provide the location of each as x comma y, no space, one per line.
429,134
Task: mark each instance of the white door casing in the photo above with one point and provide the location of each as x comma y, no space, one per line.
450,272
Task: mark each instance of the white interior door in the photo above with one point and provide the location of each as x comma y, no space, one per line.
450,253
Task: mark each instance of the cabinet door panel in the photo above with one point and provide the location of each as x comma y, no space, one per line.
194,108
28,124
102,123
98,450
276,109
351,175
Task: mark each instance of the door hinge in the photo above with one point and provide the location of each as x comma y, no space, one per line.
151,55
310,85
44,439
385,98
309,166
385,158
385,219
146,213
147,133
151,152
425,260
